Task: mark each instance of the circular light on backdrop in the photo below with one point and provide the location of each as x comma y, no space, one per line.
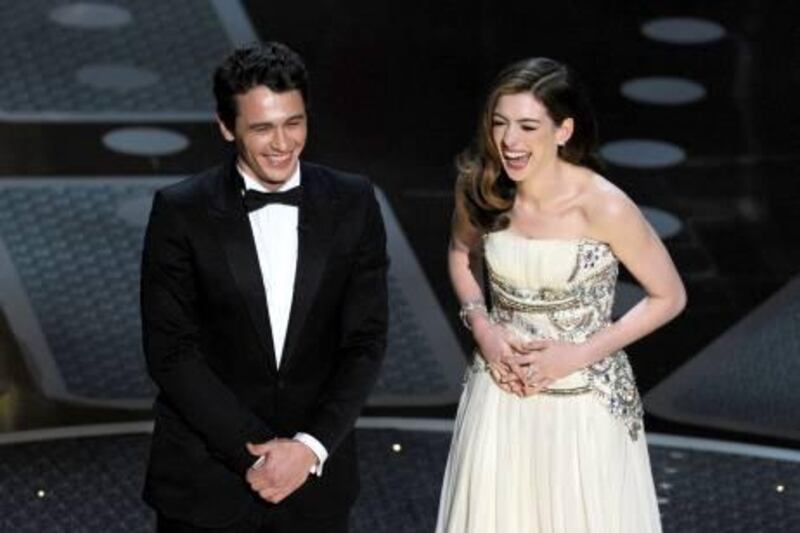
683,30
666,224
146,142
642,153
663,90
89,15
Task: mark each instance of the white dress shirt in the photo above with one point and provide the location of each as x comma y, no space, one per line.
274,228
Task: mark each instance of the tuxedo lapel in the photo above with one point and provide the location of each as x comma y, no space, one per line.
236,236
316,223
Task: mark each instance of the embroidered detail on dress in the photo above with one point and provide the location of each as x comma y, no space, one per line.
613,382
575,313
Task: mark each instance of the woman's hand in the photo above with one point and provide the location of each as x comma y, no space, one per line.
545,361
499,347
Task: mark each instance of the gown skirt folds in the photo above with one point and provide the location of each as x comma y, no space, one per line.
572,459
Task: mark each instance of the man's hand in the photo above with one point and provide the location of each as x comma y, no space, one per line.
285,468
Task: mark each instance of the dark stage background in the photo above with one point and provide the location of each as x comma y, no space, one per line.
702,130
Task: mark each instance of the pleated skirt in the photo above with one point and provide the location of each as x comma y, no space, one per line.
543,464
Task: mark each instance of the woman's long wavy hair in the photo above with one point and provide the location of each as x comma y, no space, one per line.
486,191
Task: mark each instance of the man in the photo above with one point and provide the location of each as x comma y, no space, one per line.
264,307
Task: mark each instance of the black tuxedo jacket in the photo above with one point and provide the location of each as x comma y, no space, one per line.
209,349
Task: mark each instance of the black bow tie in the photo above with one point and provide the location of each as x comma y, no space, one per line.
256,200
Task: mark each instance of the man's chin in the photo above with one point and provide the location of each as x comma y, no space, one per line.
279,174
273,178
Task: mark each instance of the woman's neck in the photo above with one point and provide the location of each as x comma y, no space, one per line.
543,186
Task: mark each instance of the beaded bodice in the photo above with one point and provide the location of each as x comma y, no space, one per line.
563,289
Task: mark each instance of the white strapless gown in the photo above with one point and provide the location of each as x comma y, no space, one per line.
573,459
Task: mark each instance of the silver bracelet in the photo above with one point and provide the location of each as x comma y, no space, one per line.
467,308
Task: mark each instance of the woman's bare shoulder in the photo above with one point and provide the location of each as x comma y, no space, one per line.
607,206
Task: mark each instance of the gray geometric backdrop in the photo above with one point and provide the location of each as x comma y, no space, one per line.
127,59
747,379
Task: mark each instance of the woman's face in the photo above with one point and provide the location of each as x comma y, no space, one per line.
525,135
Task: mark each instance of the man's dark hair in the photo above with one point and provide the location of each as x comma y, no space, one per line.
271,64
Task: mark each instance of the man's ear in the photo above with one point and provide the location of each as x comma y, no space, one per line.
223,129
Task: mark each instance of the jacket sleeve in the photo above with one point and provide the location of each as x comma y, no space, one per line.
171,333
362,345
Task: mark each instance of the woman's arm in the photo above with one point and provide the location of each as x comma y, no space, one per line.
465,266
638,247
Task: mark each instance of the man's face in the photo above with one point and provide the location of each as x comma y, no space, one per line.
270,133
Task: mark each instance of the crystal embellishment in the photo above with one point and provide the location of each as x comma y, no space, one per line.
574,313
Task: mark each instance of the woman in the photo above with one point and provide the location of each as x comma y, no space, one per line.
548,436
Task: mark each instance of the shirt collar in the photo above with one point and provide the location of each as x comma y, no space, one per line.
251,182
